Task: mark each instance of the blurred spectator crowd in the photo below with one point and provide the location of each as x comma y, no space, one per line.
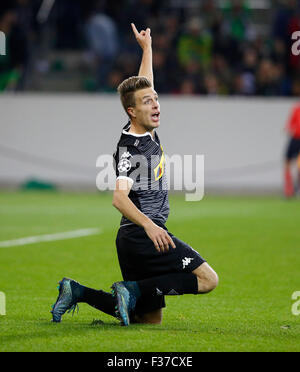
199,47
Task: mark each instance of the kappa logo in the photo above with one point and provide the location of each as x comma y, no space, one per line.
126,155
186,261
124,164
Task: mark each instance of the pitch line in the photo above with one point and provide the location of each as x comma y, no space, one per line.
50,237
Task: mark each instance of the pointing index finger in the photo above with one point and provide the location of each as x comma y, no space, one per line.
134,29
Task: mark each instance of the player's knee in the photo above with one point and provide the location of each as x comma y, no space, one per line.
208,284
152,321
150,318
207,278
213,282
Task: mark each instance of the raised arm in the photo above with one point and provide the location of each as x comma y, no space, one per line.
144,40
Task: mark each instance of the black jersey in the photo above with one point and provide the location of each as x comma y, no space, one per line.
141,160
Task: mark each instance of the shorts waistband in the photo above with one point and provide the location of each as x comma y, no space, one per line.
157,222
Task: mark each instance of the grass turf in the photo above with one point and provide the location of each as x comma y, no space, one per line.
253,243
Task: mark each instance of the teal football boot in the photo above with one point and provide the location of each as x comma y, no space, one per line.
126,294
70,292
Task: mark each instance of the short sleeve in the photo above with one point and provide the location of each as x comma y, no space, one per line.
127,161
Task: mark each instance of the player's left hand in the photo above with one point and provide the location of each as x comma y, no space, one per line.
143,38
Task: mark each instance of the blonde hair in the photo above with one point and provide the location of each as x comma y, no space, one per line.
129,86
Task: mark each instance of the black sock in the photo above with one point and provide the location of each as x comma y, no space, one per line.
100,300
171,284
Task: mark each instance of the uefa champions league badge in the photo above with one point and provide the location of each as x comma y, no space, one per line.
125,164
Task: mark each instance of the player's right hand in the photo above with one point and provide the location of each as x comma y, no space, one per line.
143,38
161,239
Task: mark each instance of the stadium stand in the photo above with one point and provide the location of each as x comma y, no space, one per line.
229,47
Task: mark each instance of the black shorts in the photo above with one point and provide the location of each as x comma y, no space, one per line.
139,259
293,149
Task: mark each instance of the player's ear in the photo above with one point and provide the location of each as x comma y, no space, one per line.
131,112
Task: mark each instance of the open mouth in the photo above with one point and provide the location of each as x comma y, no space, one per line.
155,117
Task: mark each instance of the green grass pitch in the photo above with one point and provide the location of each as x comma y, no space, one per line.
252,242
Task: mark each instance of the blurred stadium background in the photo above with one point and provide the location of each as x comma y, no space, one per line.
223,68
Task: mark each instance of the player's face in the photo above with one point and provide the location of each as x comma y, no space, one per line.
147,109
